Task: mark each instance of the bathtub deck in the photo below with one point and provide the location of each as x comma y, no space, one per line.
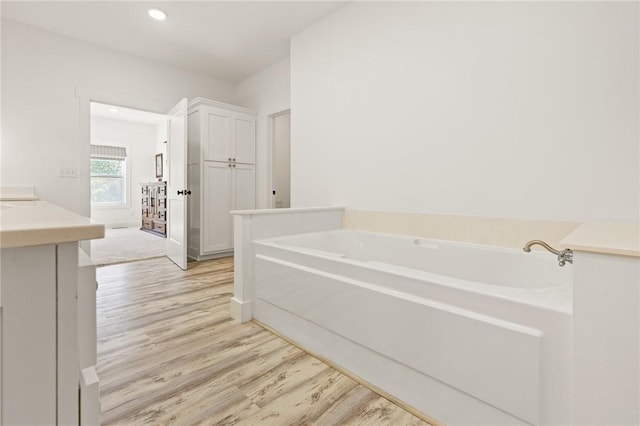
168,352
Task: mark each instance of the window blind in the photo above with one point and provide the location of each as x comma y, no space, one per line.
108,152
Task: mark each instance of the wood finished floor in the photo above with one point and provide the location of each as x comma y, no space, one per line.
169,353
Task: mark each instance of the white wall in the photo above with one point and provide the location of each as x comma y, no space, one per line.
40,111
140,142
509,109
268,92
161,148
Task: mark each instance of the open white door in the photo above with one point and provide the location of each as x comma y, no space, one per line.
177,184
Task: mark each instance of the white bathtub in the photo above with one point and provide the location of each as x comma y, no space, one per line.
467,334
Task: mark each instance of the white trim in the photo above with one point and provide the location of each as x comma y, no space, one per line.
197,102
119,99
240,310
284,211
271,129
271,203
85,96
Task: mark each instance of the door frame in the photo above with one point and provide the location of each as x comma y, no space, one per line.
85,96
271,136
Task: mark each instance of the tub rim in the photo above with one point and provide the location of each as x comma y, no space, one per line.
513,294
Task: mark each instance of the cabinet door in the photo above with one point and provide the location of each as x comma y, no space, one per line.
216,220
218,139
29,328
244,187
245,139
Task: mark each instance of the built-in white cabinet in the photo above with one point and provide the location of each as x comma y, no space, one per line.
243,178
216,204
229,136
221,173
228,186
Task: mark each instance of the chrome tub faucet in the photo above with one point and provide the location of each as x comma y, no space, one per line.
564,256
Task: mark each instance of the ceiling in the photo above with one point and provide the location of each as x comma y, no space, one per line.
126,114
228,40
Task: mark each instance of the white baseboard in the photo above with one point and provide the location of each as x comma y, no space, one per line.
241,311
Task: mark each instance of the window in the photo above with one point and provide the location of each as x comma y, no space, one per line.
108,175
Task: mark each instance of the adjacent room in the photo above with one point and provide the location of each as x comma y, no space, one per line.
127,171
320,213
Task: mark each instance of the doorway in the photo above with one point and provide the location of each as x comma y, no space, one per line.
125,144
280,138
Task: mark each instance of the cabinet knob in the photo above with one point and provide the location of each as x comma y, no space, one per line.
234,165
229,158
234,159
228,165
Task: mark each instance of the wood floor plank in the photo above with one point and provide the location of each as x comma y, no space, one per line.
320,391
148,358
350,405
186,371
169,353
285,378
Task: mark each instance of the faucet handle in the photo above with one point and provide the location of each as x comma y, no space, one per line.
565,256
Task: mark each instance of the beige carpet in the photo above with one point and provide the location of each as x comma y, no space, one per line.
125,245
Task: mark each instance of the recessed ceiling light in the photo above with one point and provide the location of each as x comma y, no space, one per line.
114,110
157,14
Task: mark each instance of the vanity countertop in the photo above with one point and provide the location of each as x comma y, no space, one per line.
607,238
33,223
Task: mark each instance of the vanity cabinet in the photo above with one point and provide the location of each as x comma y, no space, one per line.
47,297
221,173
46,327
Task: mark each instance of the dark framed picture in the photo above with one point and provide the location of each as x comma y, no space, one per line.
159,165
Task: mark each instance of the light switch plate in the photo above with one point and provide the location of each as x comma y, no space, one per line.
68,172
